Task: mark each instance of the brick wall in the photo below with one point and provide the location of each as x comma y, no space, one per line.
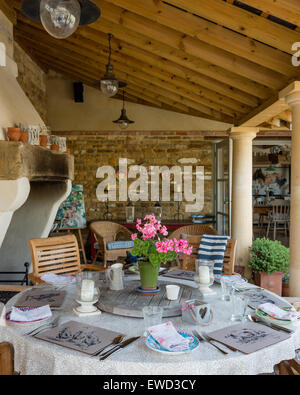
155,148
32,80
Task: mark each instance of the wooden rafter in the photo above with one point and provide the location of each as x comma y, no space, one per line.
242,21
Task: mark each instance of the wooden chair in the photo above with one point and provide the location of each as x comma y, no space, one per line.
280,215
106,231
58,255
287,368
6,359
188,262
195,229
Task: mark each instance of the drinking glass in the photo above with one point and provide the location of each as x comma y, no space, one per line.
152,316
227,288
239,307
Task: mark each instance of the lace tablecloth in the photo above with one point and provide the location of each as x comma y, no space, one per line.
34,356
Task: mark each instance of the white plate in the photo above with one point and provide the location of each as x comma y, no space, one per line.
154,346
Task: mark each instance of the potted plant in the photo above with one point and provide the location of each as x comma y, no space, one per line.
152,249
269,260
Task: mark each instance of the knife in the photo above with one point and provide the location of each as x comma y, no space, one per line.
124,344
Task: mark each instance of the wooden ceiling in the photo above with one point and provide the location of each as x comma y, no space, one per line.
215,59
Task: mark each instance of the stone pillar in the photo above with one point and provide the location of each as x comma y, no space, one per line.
242,212
292,97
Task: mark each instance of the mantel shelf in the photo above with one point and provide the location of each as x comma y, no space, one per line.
34,162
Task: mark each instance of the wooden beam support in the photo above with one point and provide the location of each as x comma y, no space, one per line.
8,11
211,36
243,22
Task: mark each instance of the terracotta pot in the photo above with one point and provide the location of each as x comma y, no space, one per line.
271,282
14,134
285,289
55,147
68,151
43,141
24,136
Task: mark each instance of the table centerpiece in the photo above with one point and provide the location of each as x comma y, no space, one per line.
152,249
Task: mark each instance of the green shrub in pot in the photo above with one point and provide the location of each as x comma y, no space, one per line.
269,260
269,256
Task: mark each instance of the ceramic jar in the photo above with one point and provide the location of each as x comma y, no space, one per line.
14,134
24,136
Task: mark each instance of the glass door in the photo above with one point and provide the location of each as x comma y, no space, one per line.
222,186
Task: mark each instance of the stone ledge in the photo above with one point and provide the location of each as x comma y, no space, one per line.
34,162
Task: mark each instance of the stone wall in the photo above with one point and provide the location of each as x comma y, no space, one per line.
147,148
32,80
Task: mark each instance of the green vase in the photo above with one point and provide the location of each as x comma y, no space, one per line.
149,275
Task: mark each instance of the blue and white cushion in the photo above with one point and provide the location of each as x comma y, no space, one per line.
212,248
118,245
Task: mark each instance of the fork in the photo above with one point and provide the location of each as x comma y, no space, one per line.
35,331
206,339
117,340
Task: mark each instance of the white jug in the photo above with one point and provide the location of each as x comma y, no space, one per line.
115,277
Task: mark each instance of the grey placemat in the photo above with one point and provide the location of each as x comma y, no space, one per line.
248,337
257,297
180,274
79,336
41,297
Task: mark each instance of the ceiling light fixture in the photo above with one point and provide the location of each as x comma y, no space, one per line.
61,18
109,84
123,121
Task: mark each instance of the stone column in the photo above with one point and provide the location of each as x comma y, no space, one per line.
242,212
292,97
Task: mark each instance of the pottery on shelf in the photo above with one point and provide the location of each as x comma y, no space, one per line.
24,136
14,134
55,147
43,140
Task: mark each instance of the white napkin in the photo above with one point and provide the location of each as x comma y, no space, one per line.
30,315
53,278
167,336
276,312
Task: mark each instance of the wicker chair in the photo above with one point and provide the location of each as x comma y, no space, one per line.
196,229
6,359
188,262
106,231
58,255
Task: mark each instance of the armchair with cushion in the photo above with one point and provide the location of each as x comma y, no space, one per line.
105,233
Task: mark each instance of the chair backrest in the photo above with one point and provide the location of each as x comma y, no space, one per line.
280,209
59,255
106,231
6,359
195,229
2,314
188,262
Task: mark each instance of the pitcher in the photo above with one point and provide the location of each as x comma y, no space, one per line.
115,277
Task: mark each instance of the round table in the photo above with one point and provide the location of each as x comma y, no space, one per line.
33,356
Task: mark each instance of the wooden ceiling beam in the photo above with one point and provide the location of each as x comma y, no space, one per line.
199,71
8,11
98,47
188,98
242,21
192,48
212,35
76,64
287,10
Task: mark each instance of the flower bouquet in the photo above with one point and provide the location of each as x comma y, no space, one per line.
153,248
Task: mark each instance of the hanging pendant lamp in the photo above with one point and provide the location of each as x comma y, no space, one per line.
61,18
123,121
109,84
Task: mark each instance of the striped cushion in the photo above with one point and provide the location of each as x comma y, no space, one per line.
118,245
212,248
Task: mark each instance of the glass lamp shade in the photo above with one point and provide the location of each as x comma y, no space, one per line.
123,121
60,18
109,84
204,276
87,286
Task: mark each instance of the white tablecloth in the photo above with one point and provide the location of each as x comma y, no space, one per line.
34,356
